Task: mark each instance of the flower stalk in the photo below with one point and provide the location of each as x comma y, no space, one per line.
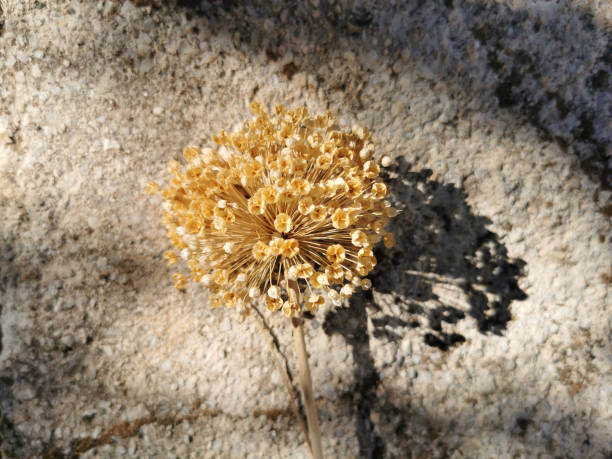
312,417
282,369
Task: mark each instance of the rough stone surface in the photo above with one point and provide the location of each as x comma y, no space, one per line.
488,330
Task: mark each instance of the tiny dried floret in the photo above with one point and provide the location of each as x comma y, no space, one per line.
260,251
282,223
341,219
305,206
319,213
170,256
335,297
300,186
323,161
276,245
286,199
314,302
335,253
270,195
359,238
256,205
304,271
385,161
273,304
319,280
379,190
334,273
180,281
290,248
220,276
274,292
365,256
389,240
230,299
291,308
152,187
347,290
371,169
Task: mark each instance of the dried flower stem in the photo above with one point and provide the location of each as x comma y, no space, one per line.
307,392
282,369
312,417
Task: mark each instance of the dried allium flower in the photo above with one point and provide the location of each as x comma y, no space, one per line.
287,198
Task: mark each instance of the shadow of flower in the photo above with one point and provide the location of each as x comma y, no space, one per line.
446,267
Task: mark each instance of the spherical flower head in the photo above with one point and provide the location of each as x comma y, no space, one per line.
288,204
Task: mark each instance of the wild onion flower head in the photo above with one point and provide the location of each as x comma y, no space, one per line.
288,199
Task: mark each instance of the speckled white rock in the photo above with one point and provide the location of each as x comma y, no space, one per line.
98,96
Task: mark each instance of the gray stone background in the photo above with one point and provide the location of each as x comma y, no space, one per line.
488,330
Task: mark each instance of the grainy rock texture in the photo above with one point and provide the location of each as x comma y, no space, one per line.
488,330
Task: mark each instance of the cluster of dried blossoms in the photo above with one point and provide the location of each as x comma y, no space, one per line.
287,200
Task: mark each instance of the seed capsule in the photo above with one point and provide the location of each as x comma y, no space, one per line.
282,223
274,292
359,238
389,240
304,271
290,248
335,253
335,297
319,213
379,190
305,206
341,219
270,195
256,205
152,187
347,290
291,309
273,304
260,251
314,302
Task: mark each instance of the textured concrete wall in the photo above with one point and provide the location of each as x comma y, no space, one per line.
488,330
